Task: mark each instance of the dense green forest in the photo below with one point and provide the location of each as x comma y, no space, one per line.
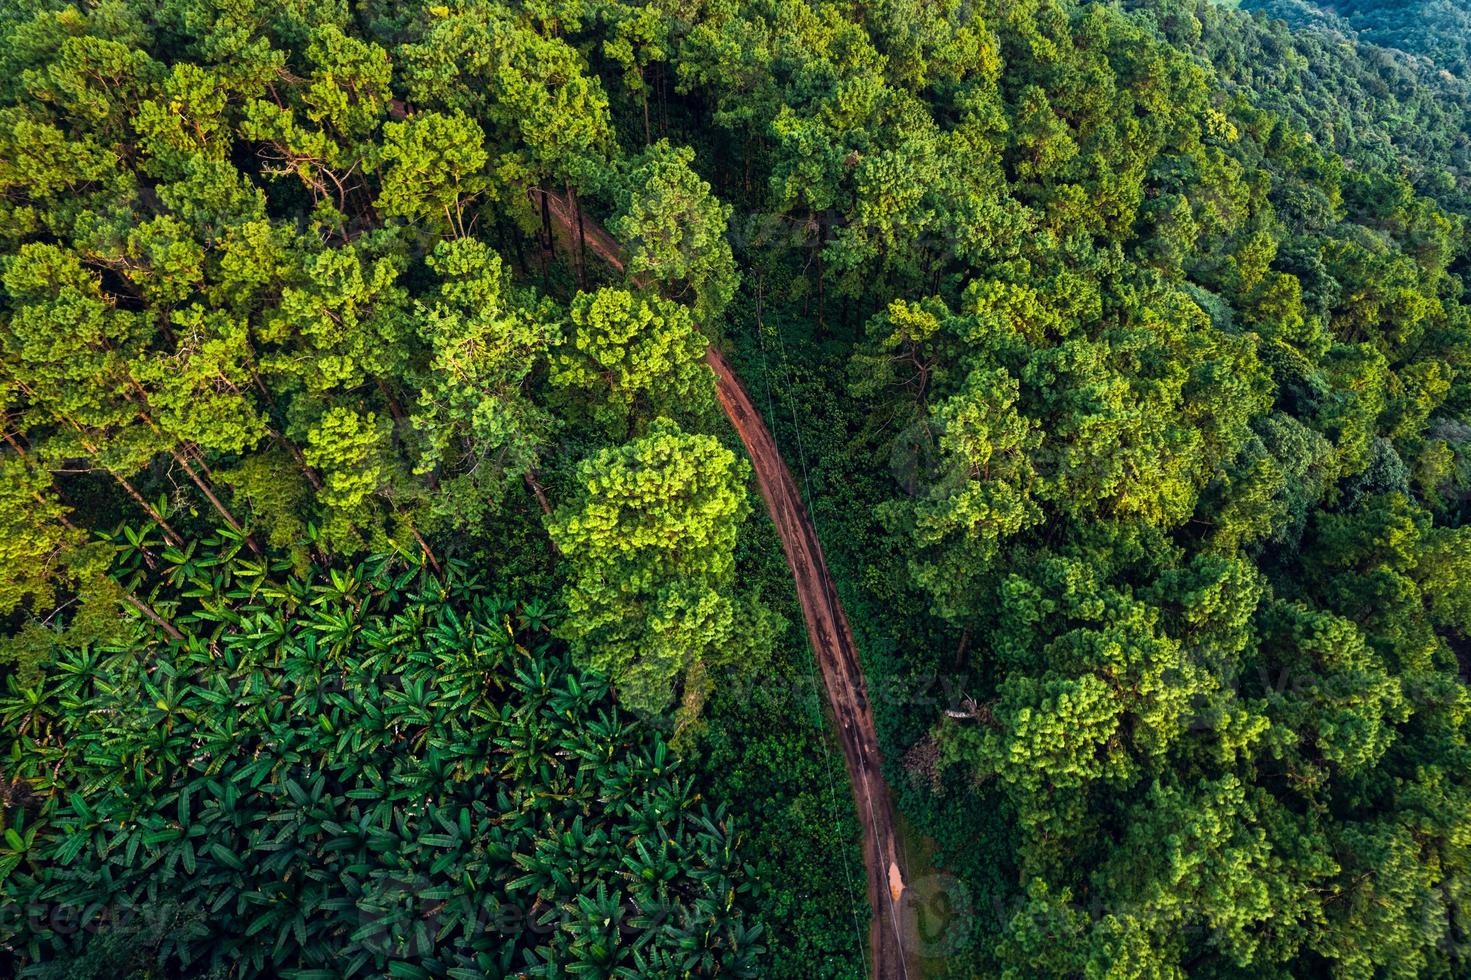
384,591
1439,30
1378,108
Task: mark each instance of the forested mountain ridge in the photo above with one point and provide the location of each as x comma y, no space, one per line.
1438,30
1381,109
1123,353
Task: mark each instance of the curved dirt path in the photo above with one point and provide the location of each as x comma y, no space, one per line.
827,629
842,675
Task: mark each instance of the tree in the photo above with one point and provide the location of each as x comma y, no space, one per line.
346,312
34,541
350,450
981,494
321,132
71,353
477,424
674,230
433,167
631,359
545,115
650,538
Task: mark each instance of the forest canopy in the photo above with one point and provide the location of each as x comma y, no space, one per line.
385,591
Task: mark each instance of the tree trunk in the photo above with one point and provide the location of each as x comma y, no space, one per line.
547,249
394,408
511,245
181,455
581,239
648,137
216,502
428,552
541,500
148,611
194,453
295,452
538,491
10,438
663,102
169,534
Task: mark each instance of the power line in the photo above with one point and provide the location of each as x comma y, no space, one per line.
811,662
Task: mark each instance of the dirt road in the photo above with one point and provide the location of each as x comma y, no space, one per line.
847,693
828,631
